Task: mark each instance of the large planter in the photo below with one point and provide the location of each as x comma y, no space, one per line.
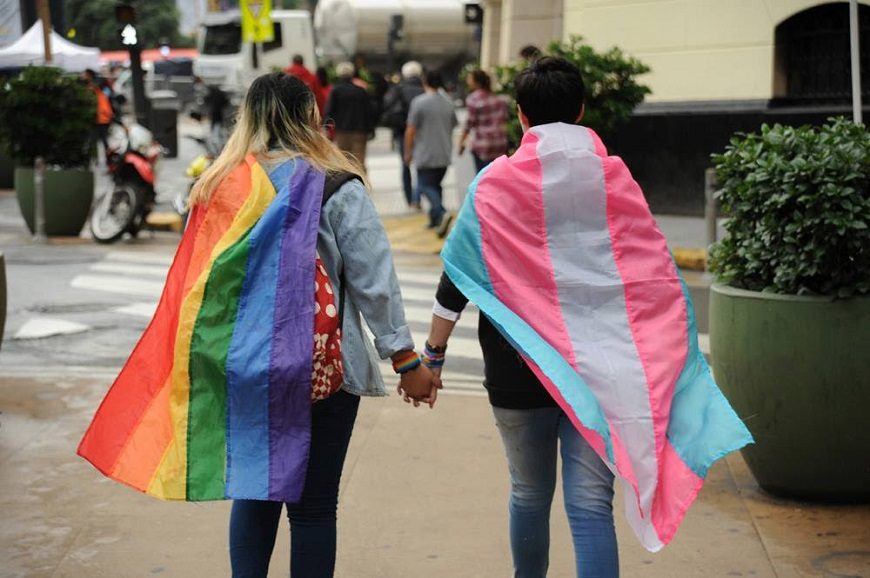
68,197
797,370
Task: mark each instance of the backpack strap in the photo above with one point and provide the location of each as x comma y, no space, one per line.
331,184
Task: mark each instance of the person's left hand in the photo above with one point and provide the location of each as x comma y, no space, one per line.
419,385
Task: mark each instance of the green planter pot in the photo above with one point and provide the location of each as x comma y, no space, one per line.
797,370
68,197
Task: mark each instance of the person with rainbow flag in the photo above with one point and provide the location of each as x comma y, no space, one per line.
588,336
246,383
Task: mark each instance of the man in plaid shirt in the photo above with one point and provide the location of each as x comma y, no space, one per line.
487,118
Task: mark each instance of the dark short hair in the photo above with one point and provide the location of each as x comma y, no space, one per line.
530,52
550,90
481,79
433,78
297,59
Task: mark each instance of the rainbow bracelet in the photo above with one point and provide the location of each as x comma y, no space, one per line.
433,356
407,363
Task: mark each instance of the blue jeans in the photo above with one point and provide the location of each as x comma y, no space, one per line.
530,438
411,194
429,186
254,524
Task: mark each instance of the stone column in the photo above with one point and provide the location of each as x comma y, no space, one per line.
491,34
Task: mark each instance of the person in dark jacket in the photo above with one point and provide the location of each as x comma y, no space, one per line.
397,103
350,110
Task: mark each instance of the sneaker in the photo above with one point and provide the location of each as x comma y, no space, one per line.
444,228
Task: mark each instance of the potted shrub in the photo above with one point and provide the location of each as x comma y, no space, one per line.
790,313
44,112
612,90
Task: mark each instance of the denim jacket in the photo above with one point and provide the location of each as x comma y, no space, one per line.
351,236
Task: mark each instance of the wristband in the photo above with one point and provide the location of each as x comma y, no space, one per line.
433,356
406,363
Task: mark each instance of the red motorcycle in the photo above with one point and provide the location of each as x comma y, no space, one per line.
124,208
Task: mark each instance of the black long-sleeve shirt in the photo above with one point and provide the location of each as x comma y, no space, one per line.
508,380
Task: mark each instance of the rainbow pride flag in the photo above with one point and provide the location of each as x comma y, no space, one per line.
214,401
556,245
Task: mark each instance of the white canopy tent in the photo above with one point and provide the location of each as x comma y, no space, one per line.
29,50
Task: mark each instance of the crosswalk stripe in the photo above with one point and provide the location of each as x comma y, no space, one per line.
138,309
418,293
135,257
427,278
118,284
108,267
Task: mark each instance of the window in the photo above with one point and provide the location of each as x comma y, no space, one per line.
222,39
276,39
812,56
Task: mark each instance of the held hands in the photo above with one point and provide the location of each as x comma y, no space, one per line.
420,384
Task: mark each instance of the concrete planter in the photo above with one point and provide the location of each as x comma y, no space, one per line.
68,197
797,370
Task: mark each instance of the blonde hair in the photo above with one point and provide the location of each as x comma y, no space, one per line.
278,112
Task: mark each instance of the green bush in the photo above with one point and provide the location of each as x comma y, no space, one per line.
44,112
799,206
612,92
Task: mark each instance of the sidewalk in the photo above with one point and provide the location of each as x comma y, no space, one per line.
423,495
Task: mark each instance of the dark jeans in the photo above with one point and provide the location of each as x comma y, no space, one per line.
254,524
429,186
479,163
411,195
100,133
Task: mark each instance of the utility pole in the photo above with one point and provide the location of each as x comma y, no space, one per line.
125,14
44,11
856,60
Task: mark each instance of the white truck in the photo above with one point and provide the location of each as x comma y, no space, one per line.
226,61
434,32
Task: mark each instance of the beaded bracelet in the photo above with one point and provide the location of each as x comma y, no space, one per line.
433,356
406,363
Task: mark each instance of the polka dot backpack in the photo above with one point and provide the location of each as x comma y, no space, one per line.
327,371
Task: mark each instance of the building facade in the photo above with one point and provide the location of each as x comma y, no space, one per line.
717,67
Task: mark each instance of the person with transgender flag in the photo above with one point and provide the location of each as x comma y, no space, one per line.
588,336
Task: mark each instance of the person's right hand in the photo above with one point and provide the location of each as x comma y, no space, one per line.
419,385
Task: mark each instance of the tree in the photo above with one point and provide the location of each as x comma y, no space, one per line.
612,92
95,25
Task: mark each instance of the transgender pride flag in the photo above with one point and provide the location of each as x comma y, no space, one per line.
556,245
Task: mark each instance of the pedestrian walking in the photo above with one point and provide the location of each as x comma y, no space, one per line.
589,347
350,110
230,394
429,142
397,102
323,78
104,113
298,69
486,121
